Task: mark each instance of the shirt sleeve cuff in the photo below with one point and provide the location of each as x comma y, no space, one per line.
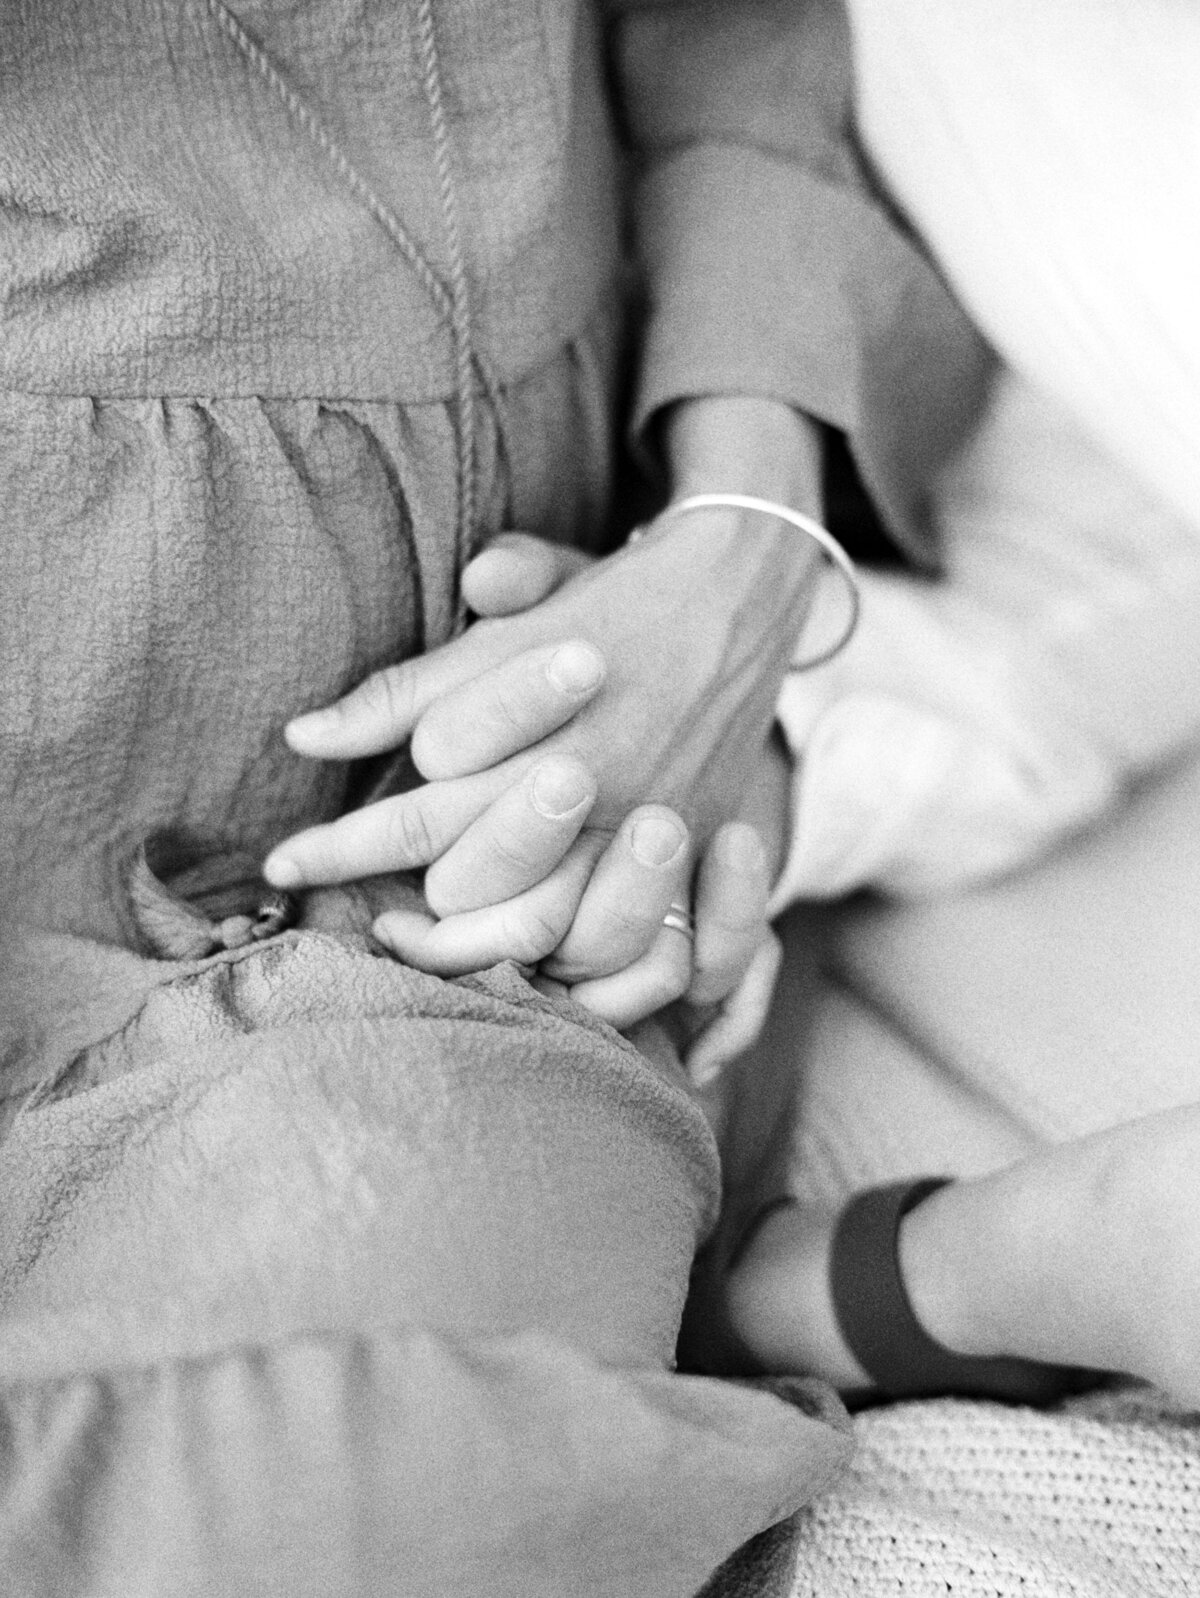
756,282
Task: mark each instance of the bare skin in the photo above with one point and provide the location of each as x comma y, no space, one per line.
1083,1254
687,634
591,747
1080,1254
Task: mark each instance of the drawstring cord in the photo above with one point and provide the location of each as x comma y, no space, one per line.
460,303
452,302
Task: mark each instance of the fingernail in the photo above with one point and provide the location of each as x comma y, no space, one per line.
576,669
656,841
281,871
558,790
741,849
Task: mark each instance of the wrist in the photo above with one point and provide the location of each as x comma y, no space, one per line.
744,444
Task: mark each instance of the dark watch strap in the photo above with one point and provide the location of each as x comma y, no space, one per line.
878,1323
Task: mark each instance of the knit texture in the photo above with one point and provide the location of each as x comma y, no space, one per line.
1100,1499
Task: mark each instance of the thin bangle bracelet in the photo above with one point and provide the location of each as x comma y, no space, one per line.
824,539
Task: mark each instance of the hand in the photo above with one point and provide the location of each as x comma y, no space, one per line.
695,622
728,986
699,618
617,958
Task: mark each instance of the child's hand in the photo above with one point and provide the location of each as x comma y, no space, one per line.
587,909
488,837
617,957
695,624
603,960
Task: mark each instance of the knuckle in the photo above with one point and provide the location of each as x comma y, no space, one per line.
726,942
390,695
407,835
534,933
736,929
516,854
511,712
626,924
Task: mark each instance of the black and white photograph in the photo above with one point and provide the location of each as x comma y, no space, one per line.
599,799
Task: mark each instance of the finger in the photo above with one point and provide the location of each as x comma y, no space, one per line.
730,907
383,710
402,833
548,988
506,709
516,842
517,571
524,929
740,1018
642,870
654,980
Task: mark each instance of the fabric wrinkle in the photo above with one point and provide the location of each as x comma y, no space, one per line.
286,1192
453,304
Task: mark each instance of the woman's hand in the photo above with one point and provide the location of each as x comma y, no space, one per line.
696,623
617,958
690,630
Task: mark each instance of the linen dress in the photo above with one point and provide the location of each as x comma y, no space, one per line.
319,1275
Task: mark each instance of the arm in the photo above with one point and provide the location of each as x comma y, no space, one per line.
697,622
774,265
975,722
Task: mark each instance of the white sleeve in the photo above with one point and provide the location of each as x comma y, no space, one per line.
974,721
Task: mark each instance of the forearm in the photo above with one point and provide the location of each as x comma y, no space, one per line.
748,445
771,263
744,444
975,722
749,199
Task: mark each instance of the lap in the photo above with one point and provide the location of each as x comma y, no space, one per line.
319,1274
311,1135
957,1033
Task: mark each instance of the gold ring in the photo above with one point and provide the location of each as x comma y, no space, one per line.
679,919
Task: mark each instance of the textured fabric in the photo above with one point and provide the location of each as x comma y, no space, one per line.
459,1090
1097,1499
207,568
760,222
169,228
974,722
316,1275
958,1035
389,1461
1047,165
971,725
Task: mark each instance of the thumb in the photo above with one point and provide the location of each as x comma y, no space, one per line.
517,571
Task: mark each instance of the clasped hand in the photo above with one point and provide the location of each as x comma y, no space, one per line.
582,745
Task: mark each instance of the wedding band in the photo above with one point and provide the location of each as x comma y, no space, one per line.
679,919
821,536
